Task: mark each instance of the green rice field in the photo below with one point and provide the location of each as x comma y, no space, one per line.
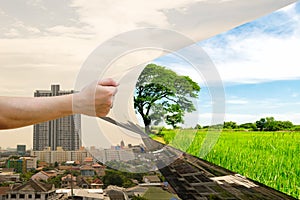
272,158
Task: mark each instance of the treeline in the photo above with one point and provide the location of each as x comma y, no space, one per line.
264,124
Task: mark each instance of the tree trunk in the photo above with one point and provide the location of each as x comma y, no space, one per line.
147,129
147,122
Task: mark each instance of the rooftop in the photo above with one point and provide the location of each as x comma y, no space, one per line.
37,186
3,190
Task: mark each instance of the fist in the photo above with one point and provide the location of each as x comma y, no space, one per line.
96,99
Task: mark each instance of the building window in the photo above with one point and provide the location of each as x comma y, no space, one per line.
37,196
22,196
30,196
13,196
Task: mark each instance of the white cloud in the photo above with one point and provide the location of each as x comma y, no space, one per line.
12,32
258,56
70,32
18,28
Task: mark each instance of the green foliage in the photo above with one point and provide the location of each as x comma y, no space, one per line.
249,126
162,94
5,184
111,178
72,172
56,180
26,176
48,168
264,124
14,157
175,115
270,124
296,128
198,126
230,125
117,178
261,124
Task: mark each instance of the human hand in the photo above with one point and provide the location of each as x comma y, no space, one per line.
95,99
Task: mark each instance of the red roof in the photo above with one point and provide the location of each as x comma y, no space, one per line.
3,190
88,159
96,165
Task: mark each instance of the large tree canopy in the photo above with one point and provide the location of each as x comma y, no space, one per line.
163,94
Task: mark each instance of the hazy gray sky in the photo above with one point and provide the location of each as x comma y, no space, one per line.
46,41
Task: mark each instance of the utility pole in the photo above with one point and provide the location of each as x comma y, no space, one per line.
72,194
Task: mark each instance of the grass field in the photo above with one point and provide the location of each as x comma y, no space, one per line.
272,158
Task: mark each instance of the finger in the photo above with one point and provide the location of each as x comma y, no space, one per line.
108,82
112,90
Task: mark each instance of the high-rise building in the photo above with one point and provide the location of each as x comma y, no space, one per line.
63,132
21,149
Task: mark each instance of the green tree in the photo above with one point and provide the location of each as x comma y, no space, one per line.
261,124
26,176
198,126
230,125
117,178
163,94
271,124
249,126
285,125
56,180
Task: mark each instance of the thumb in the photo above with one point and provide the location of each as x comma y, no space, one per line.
108,82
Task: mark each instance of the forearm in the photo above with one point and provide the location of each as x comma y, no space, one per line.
18,111
93,100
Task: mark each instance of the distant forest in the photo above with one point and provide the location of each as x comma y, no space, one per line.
264,124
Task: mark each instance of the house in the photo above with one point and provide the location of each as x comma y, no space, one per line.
88,161
116,193
99,169
44,176
42,164
87,170
68,181
40,176
32,189
3,192
52,173
88,183
96,184
83,194
83,182
151,179
8,175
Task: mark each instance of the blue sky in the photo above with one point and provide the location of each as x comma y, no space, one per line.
259,65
